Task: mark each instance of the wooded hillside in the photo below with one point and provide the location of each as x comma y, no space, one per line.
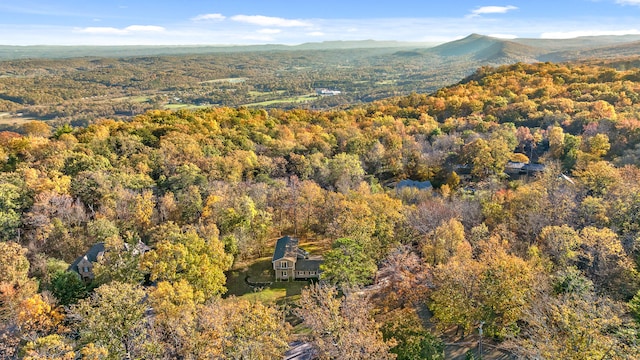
546,262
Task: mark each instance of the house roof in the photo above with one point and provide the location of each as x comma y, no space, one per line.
533,167
91,255
308,265
422,185
514,165
286,246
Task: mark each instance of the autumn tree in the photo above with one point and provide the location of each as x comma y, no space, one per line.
121,260
15,284
496,288
174,317
242,329
38,318
51,347
341,326
344,172
186,255
412,340
113,317
603,259
441,245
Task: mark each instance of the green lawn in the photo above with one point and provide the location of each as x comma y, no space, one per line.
295,99
260,271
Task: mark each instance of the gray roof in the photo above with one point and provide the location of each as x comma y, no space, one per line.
286,246
514,165
308,265
91,255
533,167
422,185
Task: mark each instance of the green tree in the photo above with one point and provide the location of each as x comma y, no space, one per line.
67,287
121,260
413,341
113,317
9,210
345,172
347,263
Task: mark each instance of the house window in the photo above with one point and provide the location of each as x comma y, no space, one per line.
312,272
284,274
85,269
283,264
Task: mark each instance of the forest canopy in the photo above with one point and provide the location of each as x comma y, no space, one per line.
530,229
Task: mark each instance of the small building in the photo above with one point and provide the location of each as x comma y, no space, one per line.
83,265
290,262
327,92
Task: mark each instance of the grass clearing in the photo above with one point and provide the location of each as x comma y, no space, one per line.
7,118
184,106
260,270
228,80
294,99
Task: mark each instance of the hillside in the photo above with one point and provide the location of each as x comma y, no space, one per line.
486,49
125,81
528,225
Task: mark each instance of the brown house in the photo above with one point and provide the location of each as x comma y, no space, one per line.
291,262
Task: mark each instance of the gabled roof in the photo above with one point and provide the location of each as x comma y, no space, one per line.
285,247
308,265
91,255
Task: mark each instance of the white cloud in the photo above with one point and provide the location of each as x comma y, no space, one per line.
316,33
628,2
492,10
578,33
101,30
269,21
144,28
105,30
269,31
209,17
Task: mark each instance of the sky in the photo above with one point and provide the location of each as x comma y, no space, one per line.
213,22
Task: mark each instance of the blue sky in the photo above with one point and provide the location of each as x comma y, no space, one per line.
159,22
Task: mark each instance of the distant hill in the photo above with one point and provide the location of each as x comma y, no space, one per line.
487,49
583,42
9,52
475,48
604,52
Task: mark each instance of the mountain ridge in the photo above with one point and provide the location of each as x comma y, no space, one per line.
479,47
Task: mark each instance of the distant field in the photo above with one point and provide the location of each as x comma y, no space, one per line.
184,106
135,99
295,99
229,80
9,119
